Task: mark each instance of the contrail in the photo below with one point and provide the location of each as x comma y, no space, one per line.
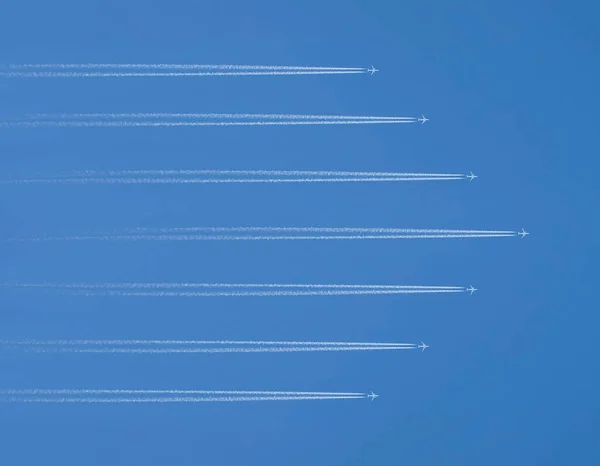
224,289
184,285
195,346
279,233
255,293
125,70
193,343
116,74
230,399
164,396
319,230
174,237
290,173
166,66
222,350
133,124
208,116
75,392
132,180
198,119
232,176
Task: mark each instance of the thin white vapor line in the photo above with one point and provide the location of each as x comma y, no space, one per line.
184,285
134,124
220,116
317,230
322,173
173,237
254,293
222,350
77,391
230,399
194,343
166,74
175,66
219,180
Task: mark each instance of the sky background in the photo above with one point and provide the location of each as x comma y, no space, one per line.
512,373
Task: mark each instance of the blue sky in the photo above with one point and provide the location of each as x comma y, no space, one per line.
510,91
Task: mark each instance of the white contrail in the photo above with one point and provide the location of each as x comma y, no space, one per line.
164,396
133,180
175,237
256,293
230,399
182,289
319,230
117,74
208,116
185,285
133,124
166,66
222,350
76,392
193,343
277,173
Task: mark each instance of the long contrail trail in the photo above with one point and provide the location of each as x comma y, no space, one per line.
165,396
222,350
278,233
232,176
133,124
180,399
272,173
174,237
199,346
165,74
193,343
199,119
133,180
129,70
210,116
168,66
187,285
224,289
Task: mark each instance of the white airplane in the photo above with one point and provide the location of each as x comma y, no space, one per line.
471,289
372,70
423,119
423,346
523,233
471,177
372,396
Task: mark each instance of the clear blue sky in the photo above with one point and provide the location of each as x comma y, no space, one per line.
512,373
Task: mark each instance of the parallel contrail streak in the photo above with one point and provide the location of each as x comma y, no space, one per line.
185,285
220,180
301,173
193,343
266,238
257,293
232,399
218,116
132,124
114,74
266,349
320,230
75,392
166,66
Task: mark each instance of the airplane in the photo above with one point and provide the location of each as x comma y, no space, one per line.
372,396
423,346
523,233
423,119
471,289
372,70
471,177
